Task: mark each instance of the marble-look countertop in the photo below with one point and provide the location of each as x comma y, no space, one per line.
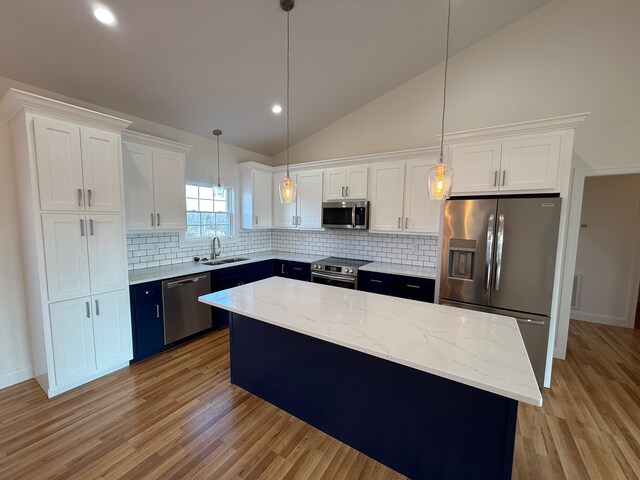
399,269
478,349
189,268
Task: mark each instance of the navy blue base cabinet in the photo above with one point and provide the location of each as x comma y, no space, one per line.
146,319
421,425
232,277
294,270
413,288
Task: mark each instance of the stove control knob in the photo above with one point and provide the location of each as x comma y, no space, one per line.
349,270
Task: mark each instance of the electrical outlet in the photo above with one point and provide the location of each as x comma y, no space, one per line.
415,246
155,248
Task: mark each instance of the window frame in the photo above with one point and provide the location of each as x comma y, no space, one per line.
185,241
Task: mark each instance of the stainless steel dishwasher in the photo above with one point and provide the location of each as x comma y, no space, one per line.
184,315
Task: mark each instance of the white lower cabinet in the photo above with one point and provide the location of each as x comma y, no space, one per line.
89,335
72,341
112,329
306,212
399,198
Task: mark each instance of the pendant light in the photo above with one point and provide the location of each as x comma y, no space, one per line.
287,186
218,189
440,176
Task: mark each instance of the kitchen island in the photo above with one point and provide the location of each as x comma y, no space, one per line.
428,390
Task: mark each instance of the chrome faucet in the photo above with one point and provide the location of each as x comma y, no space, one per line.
215,253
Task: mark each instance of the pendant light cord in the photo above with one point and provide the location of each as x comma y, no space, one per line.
287,105
218,145
444,96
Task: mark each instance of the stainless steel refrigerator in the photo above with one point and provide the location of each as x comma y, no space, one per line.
499,256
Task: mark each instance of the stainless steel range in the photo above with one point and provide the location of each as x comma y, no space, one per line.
338,272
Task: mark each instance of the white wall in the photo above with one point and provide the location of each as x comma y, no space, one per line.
15,362
568,56
608,249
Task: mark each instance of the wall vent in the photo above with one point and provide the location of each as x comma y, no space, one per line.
576,293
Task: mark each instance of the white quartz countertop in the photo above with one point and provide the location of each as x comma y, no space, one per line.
478,349
189,268
398,269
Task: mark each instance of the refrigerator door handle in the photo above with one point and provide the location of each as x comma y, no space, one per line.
499,244
489,253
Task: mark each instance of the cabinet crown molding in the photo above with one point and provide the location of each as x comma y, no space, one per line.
531,126
16,100
156,142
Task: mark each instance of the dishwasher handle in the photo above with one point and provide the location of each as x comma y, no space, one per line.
185,281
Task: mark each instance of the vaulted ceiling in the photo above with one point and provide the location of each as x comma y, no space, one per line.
204,64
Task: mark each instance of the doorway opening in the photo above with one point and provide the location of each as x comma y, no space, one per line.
606,279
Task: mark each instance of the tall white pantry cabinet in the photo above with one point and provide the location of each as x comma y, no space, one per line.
69,177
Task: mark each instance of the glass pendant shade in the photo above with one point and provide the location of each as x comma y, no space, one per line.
218,190
287,188
440,180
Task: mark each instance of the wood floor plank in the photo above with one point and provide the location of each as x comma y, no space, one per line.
176,416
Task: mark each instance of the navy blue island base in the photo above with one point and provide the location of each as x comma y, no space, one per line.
421,425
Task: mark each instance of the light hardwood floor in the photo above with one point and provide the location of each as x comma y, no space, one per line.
177,416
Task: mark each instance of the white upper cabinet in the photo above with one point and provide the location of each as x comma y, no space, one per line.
306,211
106,253
421,214
511,162
154,183
257,195
346,183
530,163
138,186
476,167
387,197
66,255
59,160
399,198
169,190
112,328
309,199
78,167
101,170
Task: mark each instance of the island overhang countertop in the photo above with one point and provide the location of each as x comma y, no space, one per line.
477,349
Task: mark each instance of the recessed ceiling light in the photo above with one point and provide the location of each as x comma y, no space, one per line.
104,15
276,109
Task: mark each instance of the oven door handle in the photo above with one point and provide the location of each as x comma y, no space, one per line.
333,277
353,216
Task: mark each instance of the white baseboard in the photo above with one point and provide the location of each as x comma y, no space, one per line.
599,318
17,375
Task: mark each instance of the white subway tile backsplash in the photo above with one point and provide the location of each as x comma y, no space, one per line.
153,249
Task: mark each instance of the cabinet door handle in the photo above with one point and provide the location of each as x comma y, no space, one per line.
283,268
153,221
343,191
406,223
399,223
412,286
157,311
297,268
293,220
158,222
495,178
90,197
82,227
347,189
79,197
373,280
88,309
299,220
97,307
504,174
91,226
256,219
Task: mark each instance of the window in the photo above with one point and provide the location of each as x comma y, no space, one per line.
208,211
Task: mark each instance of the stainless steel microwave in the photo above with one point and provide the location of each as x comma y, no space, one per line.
345,215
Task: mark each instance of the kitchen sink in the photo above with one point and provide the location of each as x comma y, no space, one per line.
225,261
